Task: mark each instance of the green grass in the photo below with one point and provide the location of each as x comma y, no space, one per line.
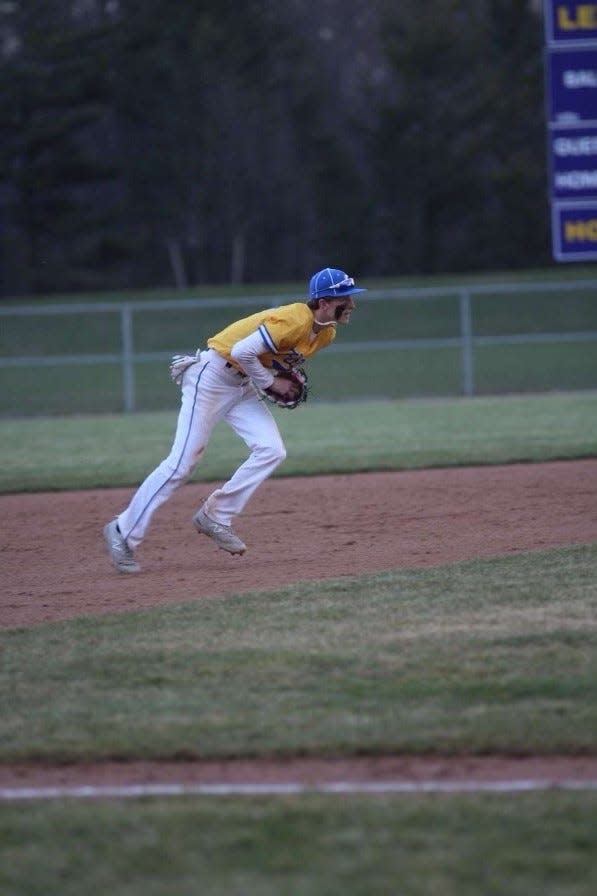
119,450
527,845
483,657
490,656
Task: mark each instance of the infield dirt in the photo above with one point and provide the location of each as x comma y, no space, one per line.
55,567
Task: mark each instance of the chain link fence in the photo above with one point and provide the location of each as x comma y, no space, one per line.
100,357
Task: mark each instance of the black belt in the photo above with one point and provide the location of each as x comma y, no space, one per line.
239,372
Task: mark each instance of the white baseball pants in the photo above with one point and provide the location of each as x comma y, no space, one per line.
211,391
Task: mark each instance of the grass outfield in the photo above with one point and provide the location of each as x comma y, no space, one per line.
527,845
118,450
489,656
492,656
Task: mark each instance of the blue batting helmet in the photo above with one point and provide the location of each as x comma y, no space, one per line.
332,283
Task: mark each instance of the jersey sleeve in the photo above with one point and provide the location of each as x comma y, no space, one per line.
283,327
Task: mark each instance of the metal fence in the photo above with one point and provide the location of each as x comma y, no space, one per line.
465,341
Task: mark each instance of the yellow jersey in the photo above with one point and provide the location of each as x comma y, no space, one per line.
287,333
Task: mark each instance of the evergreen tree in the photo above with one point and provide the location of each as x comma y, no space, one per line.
518,215
145,142
60,177
456,145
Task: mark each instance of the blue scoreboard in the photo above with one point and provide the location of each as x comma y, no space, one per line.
571,101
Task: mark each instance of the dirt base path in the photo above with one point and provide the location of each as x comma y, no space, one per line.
54,567
425,773
54,564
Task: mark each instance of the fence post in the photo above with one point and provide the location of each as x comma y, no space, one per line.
128,364
466,333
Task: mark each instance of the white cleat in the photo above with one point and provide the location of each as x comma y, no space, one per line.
120,553
223,536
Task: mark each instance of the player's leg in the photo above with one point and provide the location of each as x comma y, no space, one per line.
204,402
254,423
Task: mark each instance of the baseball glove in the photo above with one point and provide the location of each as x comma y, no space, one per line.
299,392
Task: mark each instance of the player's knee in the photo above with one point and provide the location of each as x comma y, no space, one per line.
278,453
177,475
273,454
179,469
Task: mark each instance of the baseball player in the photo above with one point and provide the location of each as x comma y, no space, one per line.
225,382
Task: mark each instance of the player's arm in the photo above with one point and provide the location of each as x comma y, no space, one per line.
246,353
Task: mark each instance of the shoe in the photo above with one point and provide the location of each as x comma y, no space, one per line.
120,553
223,536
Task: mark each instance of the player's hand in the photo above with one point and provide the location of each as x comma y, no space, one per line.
282,386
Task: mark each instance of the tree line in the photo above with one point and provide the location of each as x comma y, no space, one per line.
147,143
